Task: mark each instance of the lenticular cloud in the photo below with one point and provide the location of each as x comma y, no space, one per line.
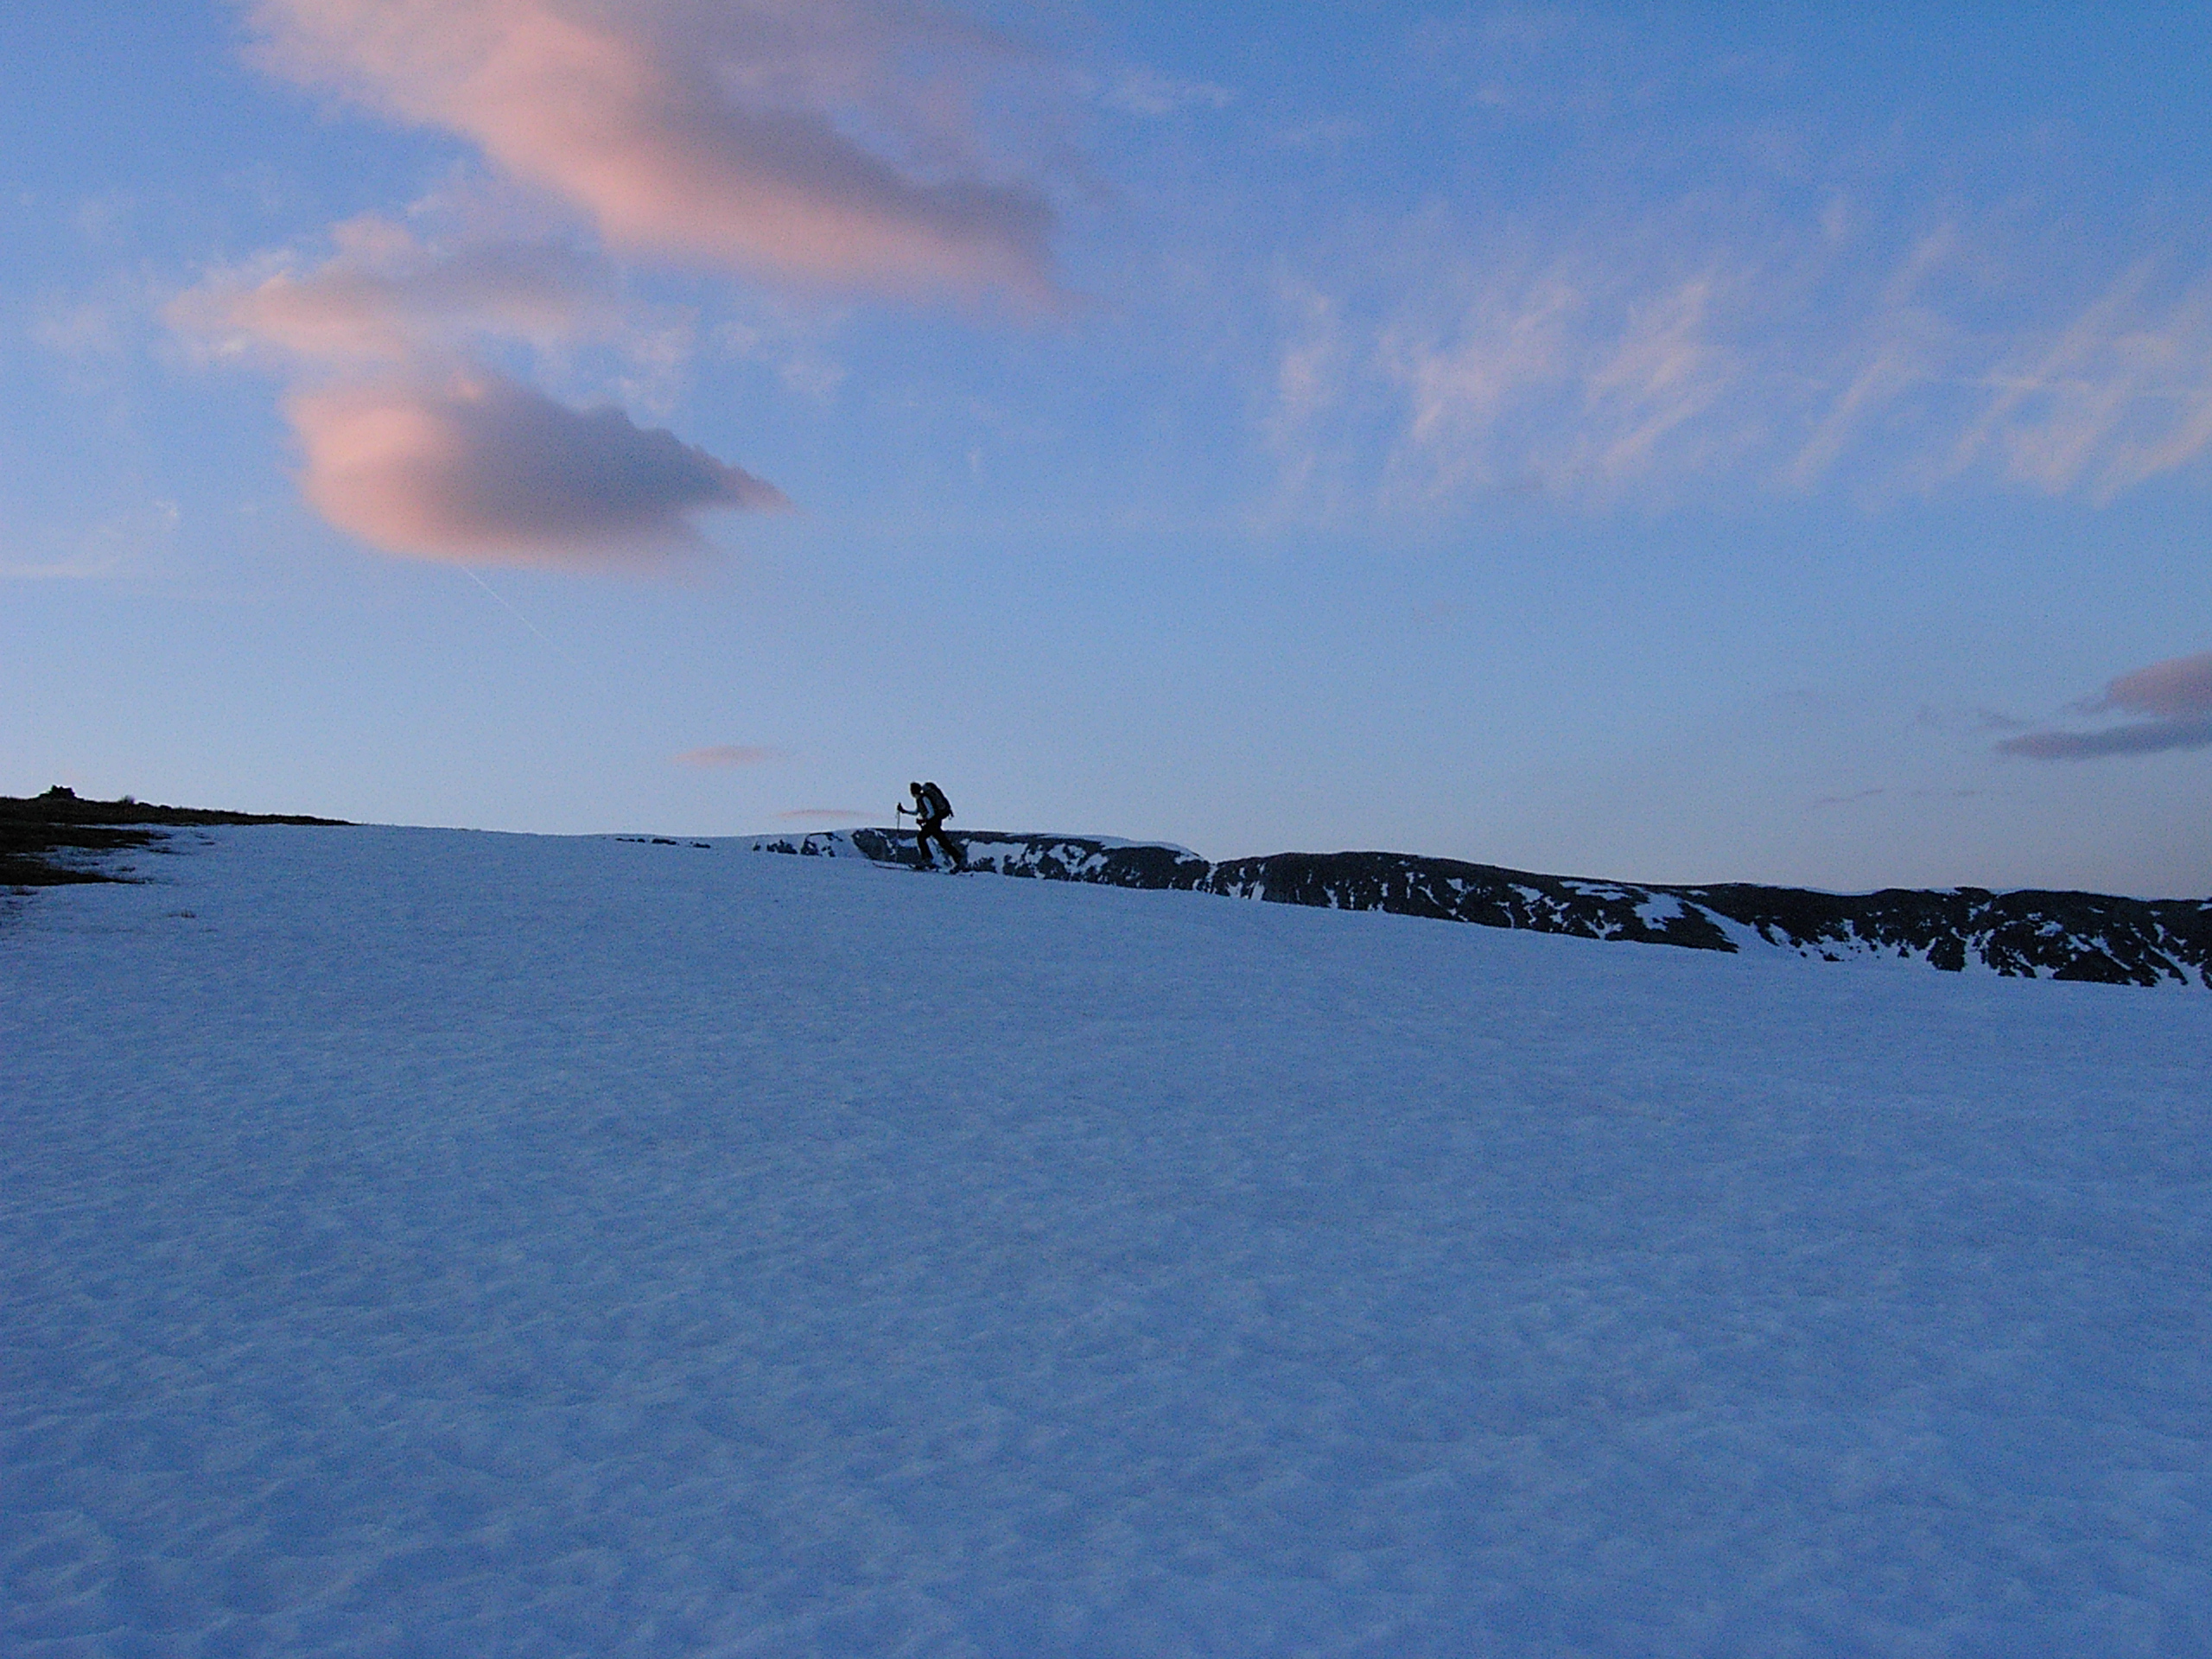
717,135
2176,695
2178,688
387,297
821,142
481,468
416,448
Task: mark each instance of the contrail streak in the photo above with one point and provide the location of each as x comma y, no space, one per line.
517,615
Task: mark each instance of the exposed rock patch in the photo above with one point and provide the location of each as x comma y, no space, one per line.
56,838
2027,933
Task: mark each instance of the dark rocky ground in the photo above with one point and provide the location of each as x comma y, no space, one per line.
57,837
2026,933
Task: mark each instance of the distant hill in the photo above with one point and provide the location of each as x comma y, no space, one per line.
2027,933
59,837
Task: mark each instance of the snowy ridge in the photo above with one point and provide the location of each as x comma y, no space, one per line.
2028,933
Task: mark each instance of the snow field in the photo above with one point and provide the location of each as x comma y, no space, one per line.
440,1242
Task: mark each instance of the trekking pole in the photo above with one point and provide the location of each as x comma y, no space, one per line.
921,843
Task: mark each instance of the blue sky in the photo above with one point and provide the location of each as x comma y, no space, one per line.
1681,446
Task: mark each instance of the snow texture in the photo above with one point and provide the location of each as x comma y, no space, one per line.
429,1243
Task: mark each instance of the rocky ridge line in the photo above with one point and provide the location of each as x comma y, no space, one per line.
2027,933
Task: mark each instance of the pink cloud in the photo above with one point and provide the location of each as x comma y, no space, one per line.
479,469
385,297
729,754
719,134
2175,694
2148,737
2175,689
835,142
413,446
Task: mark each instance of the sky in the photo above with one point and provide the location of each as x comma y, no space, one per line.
1671,443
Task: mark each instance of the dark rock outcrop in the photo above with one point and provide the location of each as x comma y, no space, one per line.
2026,933
51,839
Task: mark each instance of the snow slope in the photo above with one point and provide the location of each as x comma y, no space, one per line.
432,1242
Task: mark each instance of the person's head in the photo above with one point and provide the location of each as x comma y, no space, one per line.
914,790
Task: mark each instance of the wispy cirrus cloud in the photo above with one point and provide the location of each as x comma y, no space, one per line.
2119,394
1146,92
1553,383
718,755
2172,700
1444,375
112,546
837,142
1704,275
1689,350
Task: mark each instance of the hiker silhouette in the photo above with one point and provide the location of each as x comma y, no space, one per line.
931,810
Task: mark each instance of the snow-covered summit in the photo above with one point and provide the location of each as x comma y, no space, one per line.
433,1242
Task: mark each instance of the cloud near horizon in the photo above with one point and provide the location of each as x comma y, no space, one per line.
719,135
2176,694
481,468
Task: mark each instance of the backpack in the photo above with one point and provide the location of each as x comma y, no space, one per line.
933,799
